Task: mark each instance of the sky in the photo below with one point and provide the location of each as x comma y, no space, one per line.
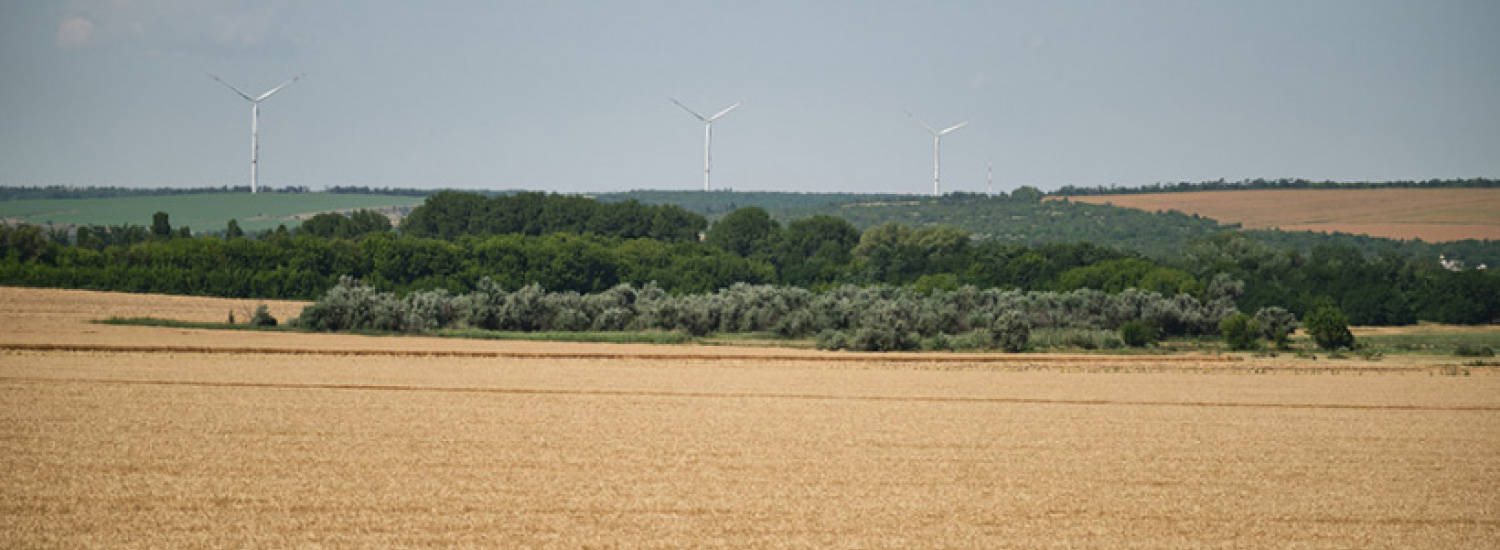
574,97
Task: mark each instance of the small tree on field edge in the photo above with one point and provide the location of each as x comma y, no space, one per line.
262,317
1241,332
1138,334
1329,328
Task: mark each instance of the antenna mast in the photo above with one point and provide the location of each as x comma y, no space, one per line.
989,186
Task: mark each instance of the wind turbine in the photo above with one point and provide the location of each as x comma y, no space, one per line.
937,143
708,135
255,123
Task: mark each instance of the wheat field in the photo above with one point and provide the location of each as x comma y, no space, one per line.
116,447
1433,215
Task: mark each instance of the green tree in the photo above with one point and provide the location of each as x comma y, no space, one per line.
1241,332
1026,194
1329,328
745,232
1011,331
161,226
233,230
1138,334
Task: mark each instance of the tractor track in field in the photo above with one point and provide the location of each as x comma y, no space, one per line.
743,395
471,354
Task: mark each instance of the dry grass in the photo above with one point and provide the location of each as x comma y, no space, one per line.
110,447
1434,215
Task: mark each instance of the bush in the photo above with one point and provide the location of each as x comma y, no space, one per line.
1241,332
937,342
979,338
262,317
832,340
1138,334
1011,331
1329,328
1466,350
884,327
1277,324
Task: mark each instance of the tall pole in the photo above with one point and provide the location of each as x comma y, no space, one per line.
254,146
937,141
989,186
708,140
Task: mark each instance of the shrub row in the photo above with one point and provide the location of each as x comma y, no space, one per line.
862,318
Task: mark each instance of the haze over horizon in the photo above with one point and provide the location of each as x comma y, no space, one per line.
574,97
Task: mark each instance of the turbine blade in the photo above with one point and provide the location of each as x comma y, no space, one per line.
954,127
724,112
278,88
690,111
236,90
922,123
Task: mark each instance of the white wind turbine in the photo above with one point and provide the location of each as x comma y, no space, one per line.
255,123
708,135
937,143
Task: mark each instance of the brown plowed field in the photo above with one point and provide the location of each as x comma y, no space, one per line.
132,437
1433,215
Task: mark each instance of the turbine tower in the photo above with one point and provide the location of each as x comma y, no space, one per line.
937,144
708,135
255,124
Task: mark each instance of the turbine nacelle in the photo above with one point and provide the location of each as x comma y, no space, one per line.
936,133
703,118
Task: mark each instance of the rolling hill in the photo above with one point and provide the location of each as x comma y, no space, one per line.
201,212
1433,215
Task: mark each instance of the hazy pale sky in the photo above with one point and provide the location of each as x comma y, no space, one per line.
573,96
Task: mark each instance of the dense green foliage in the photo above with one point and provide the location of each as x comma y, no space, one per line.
1329,328
449,215
1277,324
1020,218
262,317
573,244
304,266
1138,334
1387,290
335,225
1241,332
877,318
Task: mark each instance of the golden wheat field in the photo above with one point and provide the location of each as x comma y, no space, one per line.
1433,215
132,437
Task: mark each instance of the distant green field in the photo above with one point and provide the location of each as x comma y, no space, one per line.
203,212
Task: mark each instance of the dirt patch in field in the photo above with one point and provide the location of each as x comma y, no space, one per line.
1433,215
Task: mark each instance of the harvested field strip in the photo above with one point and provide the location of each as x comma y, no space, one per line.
719,395
861,358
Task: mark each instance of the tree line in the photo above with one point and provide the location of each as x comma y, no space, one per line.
569,244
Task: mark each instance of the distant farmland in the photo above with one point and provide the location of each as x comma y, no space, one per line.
201,212
1433,215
